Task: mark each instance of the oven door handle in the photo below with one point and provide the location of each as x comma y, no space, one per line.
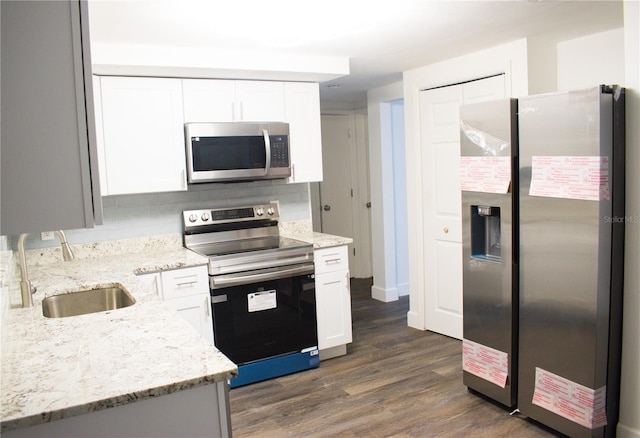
239,279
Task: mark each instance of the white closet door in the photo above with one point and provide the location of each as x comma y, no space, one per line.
440,141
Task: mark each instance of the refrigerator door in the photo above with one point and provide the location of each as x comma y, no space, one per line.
571,191
488,150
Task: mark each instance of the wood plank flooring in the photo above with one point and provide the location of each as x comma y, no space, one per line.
394,381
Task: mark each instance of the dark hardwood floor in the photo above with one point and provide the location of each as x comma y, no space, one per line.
394,381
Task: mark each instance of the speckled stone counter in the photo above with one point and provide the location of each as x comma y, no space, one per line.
54,368
322,240
303,230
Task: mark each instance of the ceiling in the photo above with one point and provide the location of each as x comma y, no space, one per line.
380,39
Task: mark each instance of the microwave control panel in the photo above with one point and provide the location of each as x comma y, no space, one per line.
279,151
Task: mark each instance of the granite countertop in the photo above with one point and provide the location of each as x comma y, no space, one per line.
302,230
322,240
54,368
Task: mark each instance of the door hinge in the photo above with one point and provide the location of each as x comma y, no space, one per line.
349,132
354,251
352,193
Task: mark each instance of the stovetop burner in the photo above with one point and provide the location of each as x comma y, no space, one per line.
242,238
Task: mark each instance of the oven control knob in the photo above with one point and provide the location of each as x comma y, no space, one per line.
193,218
271,211
259,211
204,217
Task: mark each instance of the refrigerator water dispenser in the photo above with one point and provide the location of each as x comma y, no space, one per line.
485,233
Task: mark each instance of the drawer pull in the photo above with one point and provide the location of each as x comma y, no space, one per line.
186,284
332,261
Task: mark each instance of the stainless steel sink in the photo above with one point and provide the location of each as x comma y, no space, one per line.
86,301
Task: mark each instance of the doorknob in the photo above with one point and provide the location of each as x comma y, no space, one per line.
368,204
326,207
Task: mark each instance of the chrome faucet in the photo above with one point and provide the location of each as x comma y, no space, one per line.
25,285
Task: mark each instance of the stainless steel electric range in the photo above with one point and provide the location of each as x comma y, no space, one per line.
262,290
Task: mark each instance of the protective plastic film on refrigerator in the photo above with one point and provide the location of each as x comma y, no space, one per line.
488,178
571,152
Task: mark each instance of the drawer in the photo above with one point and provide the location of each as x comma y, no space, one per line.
335,258
185,282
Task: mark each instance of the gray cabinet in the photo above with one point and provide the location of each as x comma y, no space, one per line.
49,165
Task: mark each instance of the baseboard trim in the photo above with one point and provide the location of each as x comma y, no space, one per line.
623,431
330,353
403,289
413,320
384,295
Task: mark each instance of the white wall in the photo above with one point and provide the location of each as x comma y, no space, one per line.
591,60
400,196
629,424
385,285
542,55
128,59
129,216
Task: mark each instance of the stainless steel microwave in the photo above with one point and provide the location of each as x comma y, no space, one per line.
237,151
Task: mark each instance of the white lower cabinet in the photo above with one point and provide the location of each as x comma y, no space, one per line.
187,291
333,301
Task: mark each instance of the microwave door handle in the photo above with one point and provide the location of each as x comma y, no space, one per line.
267,151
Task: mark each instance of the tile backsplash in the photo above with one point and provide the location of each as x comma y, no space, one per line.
129,216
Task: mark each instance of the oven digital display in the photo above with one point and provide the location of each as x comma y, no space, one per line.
234,213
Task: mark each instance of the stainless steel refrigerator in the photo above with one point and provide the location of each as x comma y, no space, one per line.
488,180
543,255
571,152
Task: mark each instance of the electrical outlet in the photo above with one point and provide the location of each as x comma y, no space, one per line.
46,235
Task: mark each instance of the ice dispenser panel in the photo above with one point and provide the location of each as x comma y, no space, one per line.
485,233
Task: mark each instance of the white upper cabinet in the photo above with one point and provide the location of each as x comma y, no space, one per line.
140,125
260,101
209,100
302,105
142,144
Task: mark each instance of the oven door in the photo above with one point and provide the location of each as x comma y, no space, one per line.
264,313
